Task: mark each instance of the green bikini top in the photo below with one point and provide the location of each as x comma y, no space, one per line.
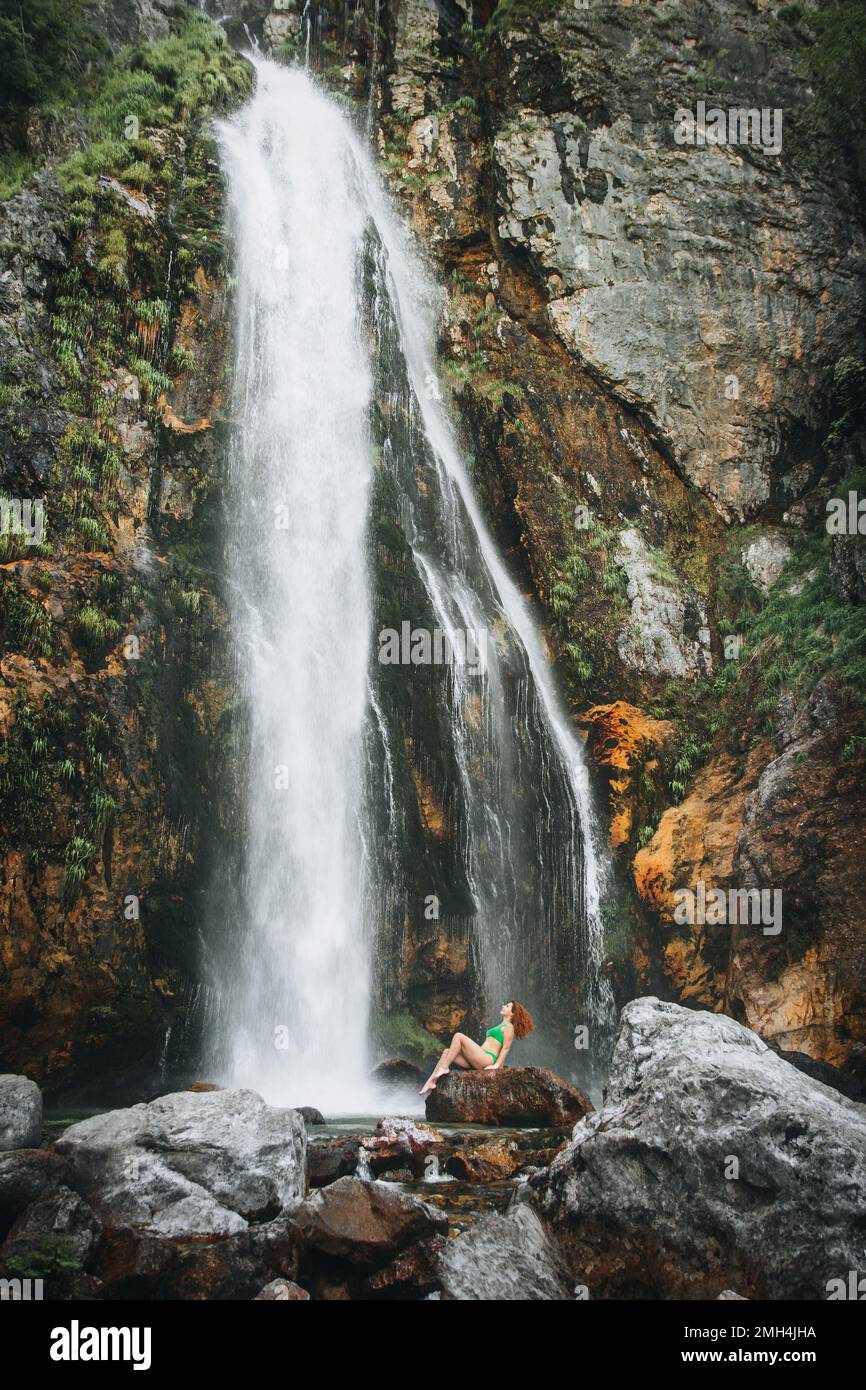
496,1033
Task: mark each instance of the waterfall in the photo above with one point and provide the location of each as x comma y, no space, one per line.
336,399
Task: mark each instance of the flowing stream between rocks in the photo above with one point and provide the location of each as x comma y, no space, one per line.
464,1170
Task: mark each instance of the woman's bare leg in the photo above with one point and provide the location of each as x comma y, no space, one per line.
475,1056
440,1069
451,1052
464,1052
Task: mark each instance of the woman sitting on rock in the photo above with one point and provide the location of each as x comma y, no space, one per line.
486,1056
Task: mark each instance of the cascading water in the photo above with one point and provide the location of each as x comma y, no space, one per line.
337,402
297,510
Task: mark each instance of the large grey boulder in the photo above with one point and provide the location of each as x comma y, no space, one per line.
190,1164
713,1165
20,1112
508,1257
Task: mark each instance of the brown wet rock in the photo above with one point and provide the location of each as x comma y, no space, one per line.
329,1159
509,1096
395,1072
132,1263
413,1274
486,1163
365,1223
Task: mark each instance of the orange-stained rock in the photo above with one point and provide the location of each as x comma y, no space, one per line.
696,840
790,818
76,987
198,391
493,1162
430,807
625,746
437,972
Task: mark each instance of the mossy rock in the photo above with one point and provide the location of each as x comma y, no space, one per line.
401,1035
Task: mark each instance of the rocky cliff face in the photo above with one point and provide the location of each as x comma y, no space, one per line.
649,343
790,814
653,349
113,711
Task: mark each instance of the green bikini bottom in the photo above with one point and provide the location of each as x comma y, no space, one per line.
489,1054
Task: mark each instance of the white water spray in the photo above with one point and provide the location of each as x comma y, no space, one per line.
305,203
297,517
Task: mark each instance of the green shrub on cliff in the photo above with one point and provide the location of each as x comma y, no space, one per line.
95,629
30,759
802,632
849,400
833,61
77,855
170,81
45,47
15,167
516,14
27,625
805,631
837,64
585,595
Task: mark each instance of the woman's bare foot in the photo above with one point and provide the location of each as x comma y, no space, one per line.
430,1083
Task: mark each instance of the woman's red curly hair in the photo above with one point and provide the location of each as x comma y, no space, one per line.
521,1020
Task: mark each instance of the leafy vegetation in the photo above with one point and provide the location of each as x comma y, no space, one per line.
15,167
140,111
82,847
27,624
836,63
46,47
586,599
832,59
54,1258
805,631
31,759
849,400
690,754
516,14
95,629
799,634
